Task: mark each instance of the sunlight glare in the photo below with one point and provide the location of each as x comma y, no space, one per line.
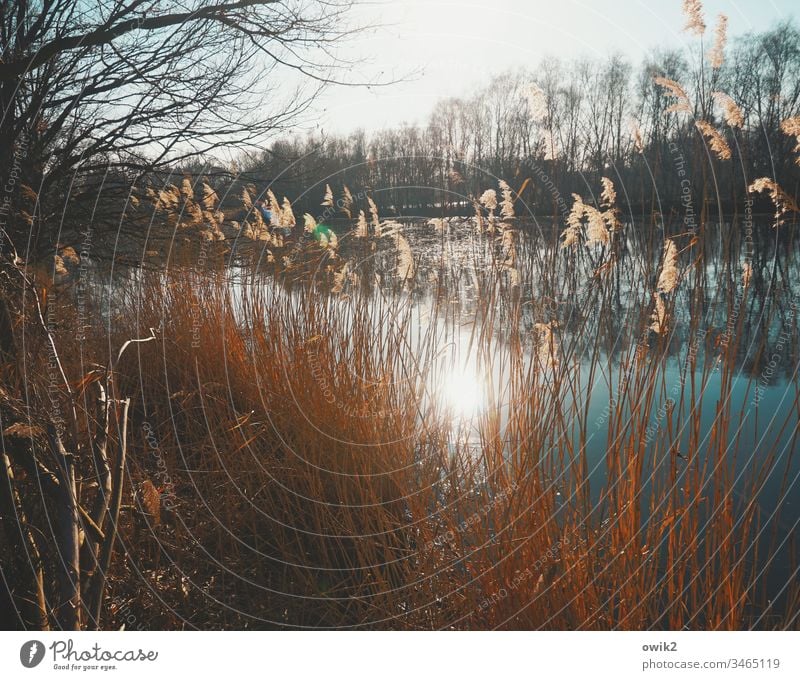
463,393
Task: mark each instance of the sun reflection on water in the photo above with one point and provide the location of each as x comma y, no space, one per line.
463,392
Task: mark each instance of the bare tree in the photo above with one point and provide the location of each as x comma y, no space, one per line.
95,96
133,86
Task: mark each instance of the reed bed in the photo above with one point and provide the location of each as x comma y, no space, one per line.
541,426
307,475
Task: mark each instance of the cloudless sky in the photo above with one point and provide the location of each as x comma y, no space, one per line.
448,48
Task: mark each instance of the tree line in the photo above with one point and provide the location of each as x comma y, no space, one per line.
717,113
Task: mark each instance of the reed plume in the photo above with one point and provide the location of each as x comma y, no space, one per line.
488,200
333,240
783,203
537,101
508,246
571,236
339,278
791,127
668,279
507,202
547,350
247,200
210,200
327,200
731,113
596,230
479,226
167,199
608,196
373,214
572,233
361,230
190,208
659,322
717,54
286,214
405,263
594,220
272,204
187,191
608,201
636,135
676,91
747,274
347,202
693,11
714,139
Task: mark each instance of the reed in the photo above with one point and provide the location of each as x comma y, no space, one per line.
310,477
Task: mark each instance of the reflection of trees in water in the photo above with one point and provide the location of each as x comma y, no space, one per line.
601,300
611,309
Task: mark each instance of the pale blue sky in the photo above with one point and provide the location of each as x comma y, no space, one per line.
455,46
